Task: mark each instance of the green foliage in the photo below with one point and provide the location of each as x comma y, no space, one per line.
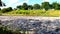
22,12
45,5
33,13
19,7
5,30
56,5
6,9
0,8
36,6
10,8
0,12
25,6
30,7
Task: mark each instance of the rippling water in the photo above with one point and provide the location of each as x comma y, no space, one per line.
39,26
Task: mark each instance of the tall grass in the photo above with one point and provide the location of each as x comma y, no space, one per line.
33,13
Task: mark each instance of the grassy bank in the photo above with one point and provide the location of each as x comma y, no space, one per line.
32,13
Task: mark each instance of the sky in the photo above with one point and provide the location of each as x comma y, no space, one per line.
14,3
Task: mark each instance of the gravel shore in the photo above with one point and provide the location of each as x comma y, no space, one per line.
27,17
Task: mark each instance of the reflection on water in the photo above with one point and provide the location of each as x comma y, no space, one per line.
38,26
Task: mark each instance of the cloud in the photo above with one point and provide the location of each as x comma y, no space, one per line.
20,3
46,0
14,3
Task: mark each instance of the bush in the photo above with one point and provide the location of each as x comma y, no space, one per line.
4,30
0,8
6,9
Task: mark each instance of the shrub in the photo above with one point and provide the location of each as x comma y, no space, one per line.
4,30
0,8
6,9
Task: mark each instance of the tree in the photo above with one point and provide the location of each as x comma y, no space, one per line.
19,7
10,8
36,6
46,5
56,5
25,6
50,6
2,4
30,7
59,7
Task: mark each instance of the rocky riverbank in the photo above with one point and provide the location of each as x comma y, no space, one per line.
40,25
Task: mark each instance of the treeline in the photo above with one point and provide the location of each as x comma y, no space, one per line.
44,5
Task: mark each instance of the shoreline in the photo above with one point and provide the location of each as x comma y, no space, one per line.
27,17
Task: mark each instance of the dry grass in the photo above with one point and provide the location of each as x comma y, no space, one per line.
54,13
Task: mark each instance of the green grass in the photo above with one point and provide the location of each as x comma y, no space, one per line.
54,13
